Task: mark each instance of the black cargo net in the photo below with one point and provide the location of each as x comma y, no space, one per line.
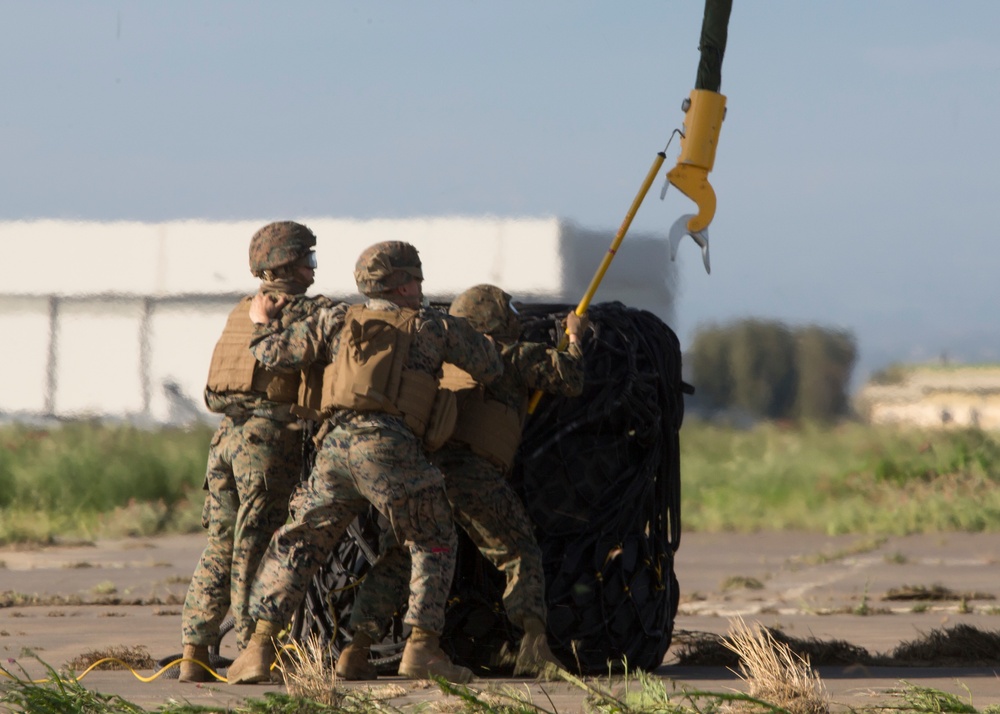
600,475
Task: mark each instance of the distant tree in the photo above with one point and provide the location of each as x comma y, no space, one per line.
762,365
773,371
825,360
710,370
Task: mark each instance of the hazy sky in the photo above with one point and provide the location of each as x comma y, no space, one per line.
857,170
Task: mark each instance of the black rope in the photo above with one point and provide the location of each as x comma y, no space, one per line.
600,475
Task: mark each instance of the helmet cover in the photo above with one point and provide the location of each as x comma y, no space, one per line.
386,266
279,243
489,310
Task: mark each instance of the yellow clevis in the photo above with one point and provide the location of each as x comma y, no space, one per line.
702,124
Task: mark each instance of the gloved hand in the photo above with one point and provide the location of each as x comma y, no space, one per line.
576,324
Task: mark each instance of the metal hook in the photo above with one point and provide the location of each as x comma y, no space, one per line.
679,230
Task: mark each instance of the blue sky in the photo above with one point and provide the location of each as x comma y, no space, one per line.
856,175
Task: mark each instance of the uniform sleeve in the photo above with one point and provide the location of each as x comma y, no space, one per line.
298,337
471,350
547,369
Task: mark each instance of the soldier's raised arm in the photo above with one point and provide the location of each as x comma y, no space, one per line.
293,336
471,350
549,369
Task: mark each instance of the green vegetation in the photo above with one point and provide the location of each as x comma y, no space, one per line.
741,582
85,480
778,682
768,369
88,481
848,478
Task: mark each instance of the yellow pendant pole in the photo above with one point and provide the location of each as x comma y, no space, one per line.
581,308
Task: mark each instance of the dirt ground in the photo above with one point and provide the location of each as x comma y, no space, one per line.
807,585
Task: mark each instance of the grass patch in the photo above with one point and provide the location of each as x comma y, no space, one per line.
121,657
778,679
961,645
105,587
57,694
775,673
934,592
710,650
958,646
308,673
84,479
741,582
12,598
846,479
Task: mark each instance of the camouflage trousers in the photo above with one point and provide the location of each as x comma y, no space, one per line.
357,466
253,465
486,507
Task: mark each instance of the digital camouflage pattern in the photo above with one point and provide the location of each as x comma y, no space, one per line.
374,458
294,340
357,465
533,365
482,500
277,244
296,311
254,463
385,266
283,344
488,510
489,310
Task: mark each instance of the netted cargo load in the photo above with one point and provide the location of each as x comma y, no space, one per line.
600,477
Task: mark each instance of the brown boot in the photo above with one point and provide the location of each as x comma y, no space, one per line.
353,661
192,671
254,663
535,659
423,659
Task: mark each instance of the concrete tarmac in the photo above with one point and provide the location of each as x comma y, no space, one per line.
59,603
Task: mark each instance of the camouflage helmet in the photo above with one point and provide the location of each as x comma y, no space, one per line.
277,244
387,266
489,310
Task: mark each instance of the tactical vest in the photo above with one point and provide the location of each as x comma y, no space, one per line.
368,373
488,427
234,369
309,404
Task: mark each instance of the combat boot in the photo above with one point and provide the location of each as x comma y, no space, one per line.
423,658
254,663
192,671
535,659
353,661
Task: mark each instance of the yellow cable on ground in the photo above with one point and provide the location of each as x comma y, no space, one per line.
138,676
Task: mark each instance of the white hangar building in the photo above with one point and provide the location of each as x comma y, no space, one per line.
118,320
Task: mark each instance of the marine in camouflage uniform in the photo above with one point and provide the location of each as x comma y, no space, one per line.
370,451
475,463
255,457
